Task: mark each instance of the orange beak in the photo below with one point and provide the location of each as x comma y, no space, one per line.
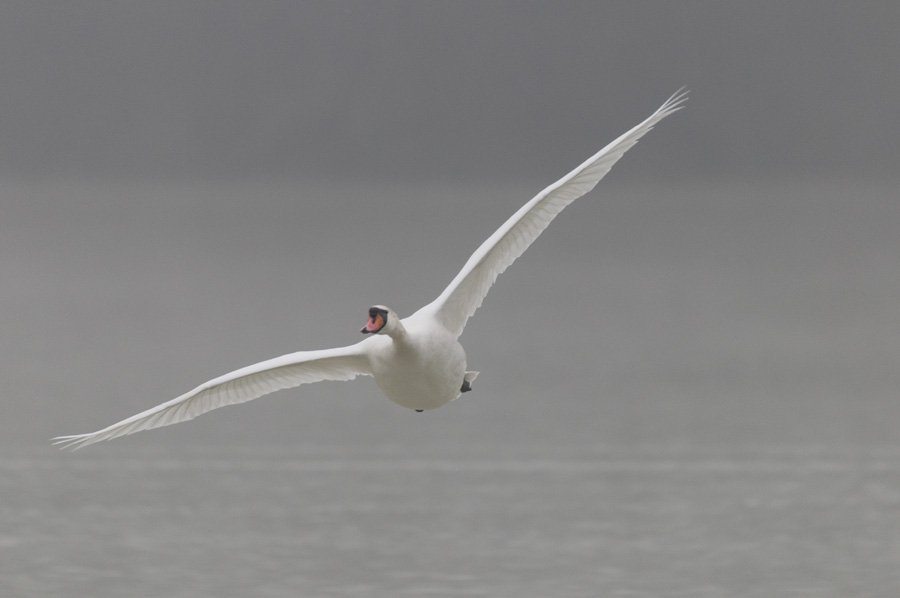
375,323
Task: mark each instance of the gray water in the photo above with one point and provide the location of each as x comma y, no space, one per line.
686,390
655,521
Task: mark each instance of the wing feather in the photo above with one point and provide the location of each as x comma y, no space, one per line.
239,386
464,295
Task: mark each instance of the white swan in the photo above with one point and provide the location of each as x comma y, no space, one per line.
416,361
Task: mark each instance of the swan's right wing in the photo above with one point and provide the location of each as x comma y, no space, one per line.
466,292
239,386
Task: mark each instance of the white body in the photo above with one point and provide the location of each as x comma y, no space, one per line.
417,362
421,368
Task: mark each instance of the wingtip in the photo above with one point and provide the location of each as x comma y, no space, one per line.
72,443
676,100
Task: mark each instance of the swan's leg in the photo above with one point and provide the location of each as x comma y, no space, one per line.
467,381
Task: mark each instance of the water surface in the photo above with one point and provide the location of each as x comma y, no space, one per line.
652,521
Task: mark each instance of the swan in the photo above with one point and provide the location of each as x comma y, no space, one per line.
416,361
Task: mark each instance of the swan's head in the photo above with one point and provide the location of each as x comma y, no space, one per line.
382,320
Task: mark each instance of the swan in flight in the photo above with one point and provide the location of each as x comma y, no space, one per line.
416,361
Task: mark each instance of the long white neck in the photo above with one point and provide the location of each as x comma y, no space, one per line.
395,329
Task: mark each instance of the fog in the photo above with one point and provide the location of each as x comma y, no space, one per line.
688,383
449,90
188,188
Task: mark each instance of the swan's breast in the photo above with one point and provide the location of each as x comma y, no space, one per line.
424,371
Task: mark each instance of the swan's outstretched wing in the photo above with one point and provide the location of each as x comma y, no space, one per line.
466,292
239,386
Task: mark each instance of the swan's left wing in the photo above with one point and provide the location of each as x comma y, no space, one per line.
466,292
239,386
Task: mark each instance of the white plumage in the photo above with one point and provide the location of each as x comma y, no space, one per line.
416,361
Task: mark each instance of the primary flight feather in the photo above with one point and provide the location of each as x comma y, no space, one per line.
416,361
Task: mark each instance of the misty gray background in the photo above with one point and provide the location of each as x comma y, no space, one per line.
190,187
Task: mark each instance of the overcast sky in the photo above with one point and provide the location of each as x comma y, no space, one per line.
384,89
190,187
